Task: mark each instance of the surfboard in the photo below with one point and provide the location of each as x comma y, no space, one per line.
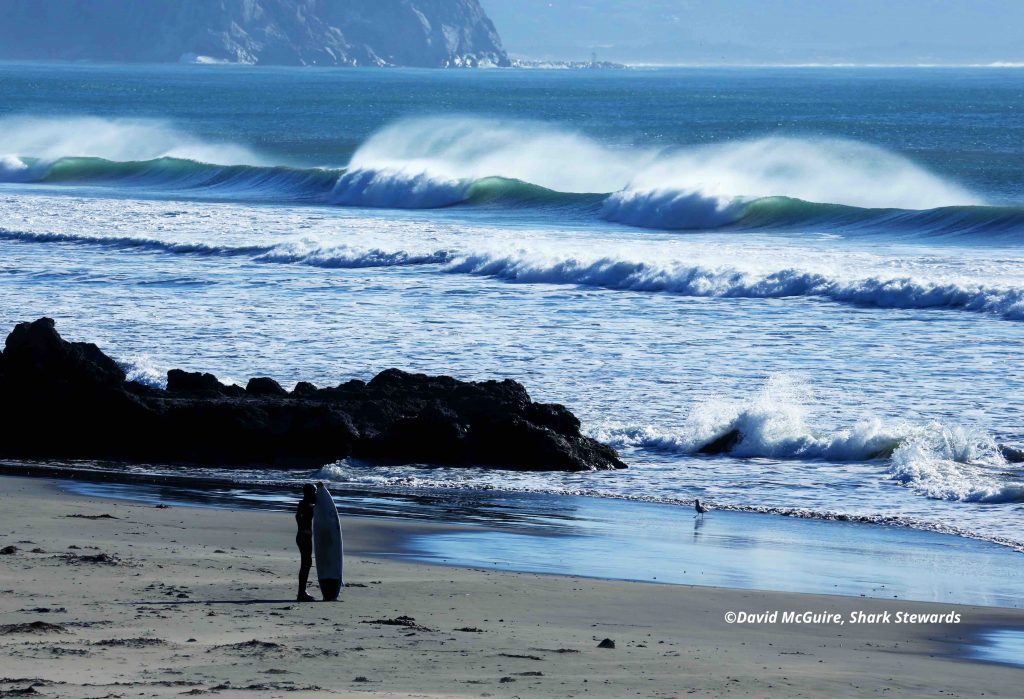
327,544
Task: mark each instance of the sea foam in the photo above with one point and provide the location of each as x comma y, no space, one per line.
619,273
940,461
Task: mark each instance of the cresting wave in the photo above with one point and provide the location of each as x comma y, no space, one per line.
613,273
940,461
771,182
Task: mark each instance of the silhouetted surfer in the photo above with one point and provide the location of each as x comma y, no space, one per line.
304,538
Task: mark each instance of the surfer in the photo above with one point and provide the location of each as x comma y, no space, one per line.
304,538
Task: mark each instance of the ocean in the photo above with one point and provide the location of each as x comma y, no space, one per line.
828,260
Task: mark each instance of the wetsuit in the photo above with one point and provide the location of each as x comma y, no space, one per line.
304,540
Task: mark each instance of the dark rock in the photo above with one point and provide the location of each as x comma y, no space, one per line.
722,445
606,643
194,383
1012,454
264,386
8,550
304,388
61,399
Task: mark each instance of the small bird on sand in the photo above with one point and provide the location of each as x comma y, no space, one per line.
701,509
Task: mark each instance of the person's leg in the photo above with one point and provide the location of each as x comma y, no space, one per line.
305,563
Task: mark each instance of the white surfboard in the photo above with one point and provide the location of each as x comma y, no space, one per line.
327,543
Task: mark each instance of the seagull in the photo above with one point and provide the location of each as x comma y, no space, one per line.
701,509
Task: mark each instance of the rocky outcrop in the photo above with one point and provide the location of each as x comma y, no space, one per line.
69,400
424,33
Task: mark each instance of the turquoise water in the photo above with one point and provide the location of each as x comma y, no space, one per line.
828,260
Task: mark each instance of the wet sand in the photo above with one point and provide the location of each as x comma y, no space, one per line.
105,598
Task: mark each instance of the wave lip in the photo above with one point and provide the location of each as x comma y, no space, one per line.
124,140
398,188
175,174
14,169
439,162
671,209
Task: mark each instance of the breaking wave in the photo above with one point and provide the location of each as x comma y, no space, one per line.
701,281
52,138
613,273
771,182
940,461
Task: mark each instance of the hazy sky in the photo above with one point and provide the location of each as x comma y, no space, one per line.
717,31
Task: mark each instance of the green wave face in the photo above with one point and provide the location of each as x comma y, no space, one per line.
665,210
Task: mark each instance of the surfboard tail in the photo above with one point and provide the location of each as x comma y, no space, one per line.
330,588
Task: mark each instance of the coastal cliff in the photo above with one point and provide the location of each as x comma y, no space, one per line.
69,400
422,33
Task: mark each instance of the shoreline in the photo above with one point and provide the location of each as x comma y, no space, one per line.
619,540
203,602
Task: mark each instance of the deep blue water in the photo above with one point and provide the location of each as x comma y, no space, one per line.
827,259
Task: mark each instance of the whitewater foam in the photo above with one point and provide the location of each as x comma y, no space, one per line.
955,463
311,253
52,138
727,282
141,369
941,461
526,266
772,424
13,169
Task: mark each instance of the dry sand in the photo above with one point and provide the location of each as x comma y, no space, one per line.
190,601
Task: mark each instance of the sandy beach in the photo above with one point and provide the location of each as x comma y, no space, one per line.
104,599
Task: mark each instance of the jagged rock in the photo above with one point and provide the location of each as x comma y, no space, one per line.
1012,454
179,381
722,445
264,386
62,399
304,388
425,33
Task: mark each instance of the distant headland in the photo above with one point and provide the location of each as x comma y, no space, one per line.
420,33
